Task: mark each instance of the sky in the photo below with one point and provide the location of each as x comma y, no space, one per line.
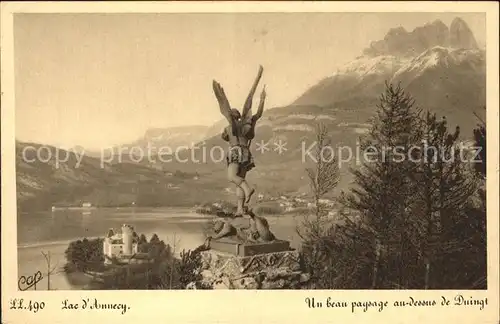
99,80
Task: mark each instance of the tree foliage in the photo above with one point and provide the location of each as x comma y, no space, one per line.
164,270
480,142
85,254
444,185
419,223
383,190
323,177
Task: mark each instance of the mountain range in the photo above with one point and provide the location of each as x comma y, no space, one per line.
441,67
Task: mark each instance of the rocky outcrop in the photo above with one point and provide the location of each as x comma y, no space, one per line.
461,36
441,67
278,270
400,42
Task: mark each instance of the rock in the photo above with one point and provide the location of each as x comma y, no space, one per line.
223,283
461,36
206,261
208,278
274,274
277,270
191,285
276,284
207,274
305,277
246,283
227,282
398,41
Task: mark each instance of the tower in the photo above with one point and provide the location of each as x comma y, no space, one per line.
127,237
105,247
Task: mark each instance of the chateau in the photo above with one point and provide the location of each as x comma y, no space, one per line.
120,245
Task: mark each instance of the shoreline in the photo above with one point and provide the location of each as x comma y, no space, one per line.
30,245
181,233
30,259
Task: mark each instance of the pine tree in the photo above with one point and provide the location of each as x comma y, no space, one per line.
383,189
443,186
471,228
480,142
316,230
323,178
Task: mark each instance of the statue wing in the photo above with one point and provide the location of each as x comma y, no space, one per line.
225,107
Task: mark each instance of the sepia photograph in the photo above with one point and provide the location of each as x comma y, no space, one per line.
250,151
338,155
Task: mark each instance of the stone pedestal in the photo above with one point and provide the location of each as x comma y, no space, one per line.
236,270
237,248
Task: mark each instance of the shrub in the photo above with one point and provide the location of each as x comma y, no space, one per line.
189,268
85,254
337,256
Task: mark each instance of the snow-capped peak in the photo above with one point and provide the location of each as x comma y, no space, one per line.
439,56
367,65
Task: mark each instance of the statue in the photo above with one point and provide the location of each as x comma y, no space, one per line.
258,231
239,134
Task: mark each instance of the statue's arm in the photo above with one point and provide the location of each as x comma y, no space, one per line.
260,110
249,126
248,103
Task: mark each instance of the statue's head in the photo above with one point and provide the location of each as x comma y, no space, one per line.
236,114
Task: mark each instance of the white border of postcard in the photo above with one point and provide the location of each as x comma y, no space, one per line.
238,305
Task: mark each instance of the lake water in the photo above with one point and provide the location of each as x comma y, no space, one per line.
40,228
51,232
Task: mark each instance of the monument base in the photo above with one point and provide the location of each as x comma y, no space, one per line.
274,270
234,247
